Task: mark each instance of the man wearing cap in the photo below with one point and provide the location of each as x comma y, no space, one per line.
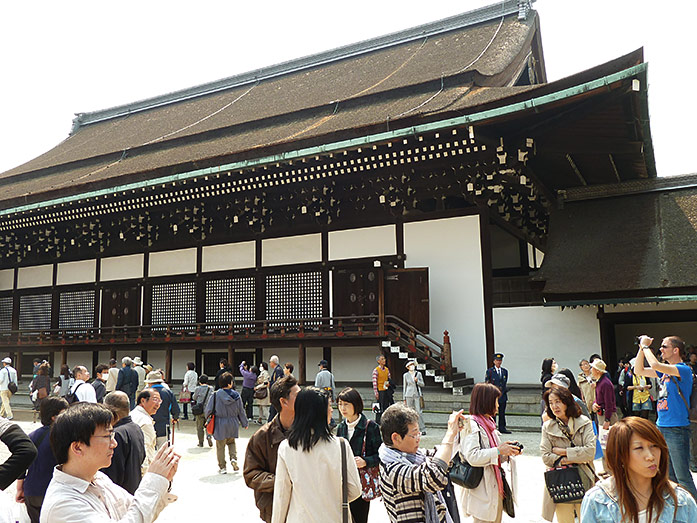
381,385
605,406
498,376
7,375
138,367
168,407
412,385
675,388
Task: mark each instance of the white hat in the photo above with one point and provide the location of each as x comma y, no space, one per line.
137,360
154,377
411,362
599,365
559,380
7,360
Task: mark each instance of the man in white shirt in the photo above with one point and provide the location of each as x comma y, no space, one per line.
113,376
7,375
83,442
83,391
147,403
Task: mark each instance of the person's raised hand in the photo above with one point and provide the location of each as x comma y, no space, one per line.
645,341
165,462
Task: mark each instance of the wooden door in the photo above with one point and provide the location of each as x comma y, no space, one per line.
406,296
355,291
121,306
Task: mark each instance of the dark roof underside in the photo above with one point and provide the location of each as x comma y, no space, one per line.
637,246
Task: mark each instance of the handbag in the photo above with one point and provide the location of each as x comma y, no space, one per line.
198,408
184,396
344,486
508,505
261,393
210,422
370,476
41,393
463,474
564,483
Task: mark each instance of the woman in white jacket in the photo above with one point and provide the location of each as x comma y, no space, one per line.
308,484
481,446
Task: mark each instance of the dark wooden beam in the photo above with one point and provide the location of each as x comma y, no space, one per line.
302,364
487,285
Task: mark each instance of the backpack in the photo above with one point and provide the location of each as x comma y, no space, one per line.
71,397
692,405
11,386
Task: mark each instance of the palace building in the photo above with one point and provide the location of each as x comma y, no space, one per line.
367,198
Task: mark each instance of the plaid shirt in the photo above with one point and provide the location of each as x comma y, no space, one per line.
403,486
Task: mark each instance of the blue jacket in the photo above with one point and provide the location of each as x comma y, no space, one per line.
492,376
600,505
169,406
229,413
127,381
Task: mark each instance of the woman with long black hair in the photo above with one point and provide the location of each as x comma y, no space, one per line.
308,485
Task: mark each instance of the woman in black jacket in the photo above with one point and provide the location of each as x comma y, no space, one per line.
365,440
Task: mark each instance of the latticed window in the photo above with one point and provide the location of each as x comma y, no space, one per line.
76,310
5,313
230,300
296,295
35,312
174,303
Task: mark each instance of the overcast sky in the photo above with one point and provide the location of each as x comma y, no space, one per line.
61,58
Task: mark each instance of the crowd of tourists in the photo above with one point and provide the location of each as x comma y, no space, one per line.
105,451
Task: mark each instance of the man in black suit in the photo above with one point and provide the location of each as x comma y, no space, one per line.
498,376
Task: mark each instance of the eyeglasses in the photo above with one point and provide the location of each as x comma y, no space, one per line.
414,436
111,436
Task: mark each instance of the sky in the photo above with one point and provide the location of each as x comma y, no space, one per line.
67,57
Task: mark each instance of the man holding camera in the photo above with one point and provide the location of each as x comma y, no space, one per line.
675,379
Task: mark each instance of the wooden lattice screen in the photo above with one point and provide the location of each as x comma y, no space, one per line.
230,300
76,310
35,312
5,313
296,295
174,303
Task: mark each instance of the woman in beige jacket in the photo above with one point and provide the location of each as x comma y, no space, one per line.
308,484
481,446
557,448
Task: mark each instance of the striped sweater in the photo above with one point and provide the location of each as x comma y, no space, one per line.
403,486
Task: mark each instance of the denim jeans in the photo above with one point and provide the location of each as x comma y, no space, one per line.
678,440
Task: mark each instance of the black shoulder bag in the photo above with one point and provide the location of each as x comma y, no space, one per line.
198,408
462,473
564,483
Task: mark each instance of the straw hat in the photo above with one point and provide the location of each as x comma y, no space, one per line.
599,365
154,377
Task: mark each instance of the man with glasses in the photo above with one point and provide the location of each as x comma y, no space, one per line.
82,439
675,388
148,402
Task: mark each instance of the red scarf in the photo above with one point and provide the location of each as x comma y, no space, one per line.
487,423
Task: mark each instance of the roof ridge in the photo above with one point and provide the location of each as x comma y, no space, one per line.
631,187
467,19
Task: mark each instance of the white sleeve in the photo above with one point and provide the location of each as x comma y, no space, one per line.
282,488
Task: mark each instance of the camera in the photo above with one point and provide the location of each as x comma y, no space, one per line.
518,444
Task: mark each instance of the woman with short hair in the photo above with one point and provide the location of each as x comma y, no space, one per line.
481,446
639,489
364,437
567,438
308,484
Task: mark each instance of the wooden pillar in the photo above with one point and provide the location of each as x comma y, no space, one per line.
18,363
95,362
302,364
52,363
487,283
168,365
112,352
230,355
198,360
381,301
64,357
447,356
327,355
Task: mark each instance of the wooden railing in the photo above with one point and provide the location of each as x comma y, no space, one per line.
412,340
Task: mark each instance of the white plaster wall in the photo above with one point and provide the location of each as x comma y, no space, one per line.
38,276
7,279
306,248
179,360
230,256
285,355
527,335
122,267
104,357
354,364
168,263
156,358
77,358
76,272
363,243
450,248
